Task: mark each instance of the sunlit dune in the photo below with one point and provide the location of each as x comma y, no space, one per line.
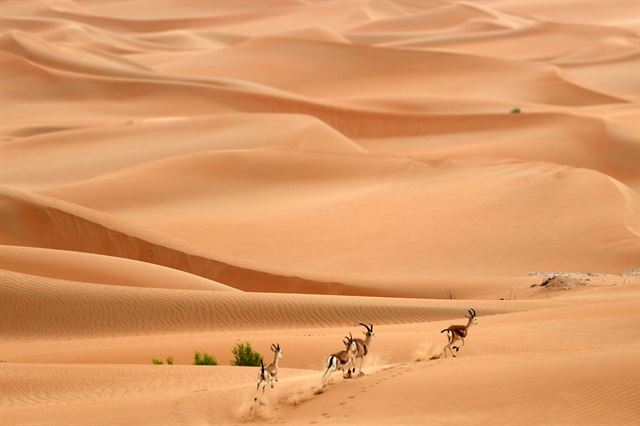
181,177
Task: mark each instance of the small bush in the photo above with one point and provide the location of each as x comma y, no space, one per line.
169,360
156,361
245,355
515,111
204,359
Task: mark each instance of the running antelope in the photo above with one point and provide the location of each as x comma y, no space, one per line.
363,346
270,372
339,360
459,332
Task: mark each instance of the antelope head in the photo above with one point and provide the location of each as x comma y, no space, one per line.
369,328
472,316
275,347
350,343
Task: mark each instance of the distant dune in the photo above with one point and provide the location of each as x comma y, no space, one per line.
185,176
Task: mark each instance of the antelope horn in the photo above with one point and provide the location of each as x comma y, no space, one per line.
365,326
474,312
273,347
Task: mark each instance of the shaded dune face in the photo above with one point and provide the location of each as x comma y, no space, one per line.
181,176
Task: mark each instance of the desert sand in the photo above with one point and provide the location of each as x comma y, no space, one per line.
181,176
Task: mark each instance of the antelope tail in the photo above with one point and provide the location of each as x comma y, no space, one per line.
329,365
330,361
326,372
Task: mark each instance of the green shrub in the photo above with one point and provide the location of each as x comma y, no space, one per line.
169,360
244,354
156,361
515,111
204,359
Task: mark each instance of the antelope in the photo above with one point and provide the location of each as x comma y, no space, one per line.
270,372
339,360
362,346
459,332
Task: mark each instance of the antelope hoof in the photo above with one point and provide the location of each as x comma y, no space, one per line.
361,374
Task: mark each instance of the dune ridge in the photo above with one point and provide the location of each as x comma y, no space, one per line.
133,245
32,307
94,268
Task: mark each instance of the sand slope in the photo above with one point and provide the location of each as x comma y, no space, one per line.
509,358
98,269
185,176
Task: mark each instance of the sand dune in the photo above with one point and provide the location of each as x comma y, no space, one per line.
33,307
581,363
279,131
616,13
624,76
363,189
531,41
384,71
93,268
497,391
281,223
185,176
549,138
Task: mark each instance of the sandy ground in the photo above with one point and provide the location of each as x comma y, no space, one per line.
184,176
